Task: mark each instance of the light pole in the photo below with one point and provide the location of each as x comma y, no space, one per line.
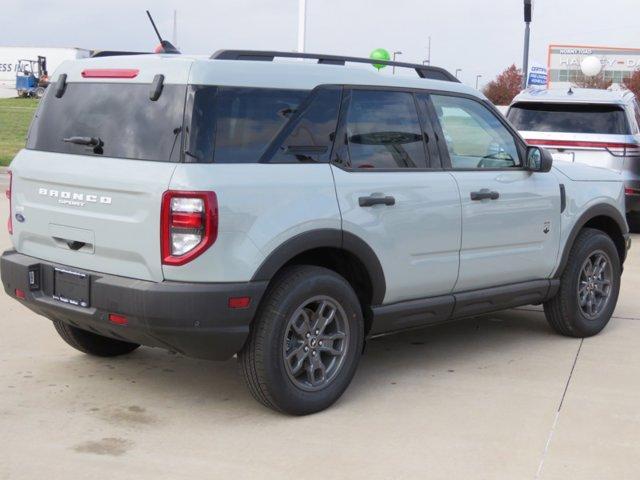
174,38
478,77
302,25
458,70
528,14
393,70
428,60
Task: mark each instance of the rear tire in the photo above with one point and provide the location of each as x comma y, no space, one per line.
91,343
305,342
589,287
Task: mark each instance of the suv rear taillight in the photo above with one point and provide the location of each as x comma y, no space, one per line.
614,148
188,225
8,193
625,150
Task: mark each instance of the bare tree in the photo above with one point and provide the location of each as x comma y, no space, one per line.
633,83
598,82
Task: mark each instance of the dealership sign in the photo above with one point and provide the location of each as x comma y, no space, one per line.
567,57
607,62
538,76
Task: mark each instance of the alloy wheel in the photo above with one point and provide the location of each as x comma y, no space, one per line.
315,343
594,284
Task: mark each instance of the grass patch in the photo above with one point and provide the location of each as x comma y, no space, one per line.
15,117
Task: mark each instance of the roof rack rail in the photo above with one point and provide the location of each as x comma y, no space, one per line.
115,53
424,71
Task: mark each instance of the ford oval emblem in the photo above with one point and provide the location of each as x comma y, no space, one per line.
20,217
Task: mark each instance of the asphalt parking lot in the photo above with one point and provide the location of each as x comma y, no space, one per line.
496,397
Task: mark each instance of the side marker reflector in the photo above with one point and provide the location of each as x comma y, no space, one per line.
239,302
118,319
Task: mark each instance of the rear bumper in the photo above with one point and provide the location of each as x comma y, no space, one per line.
632,201
191,318
632,204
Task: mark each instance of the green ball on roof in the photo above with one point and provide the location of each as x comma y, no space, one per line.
380,54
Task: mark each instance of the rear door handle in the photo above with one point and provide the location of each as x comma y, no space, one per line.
371,200
485,194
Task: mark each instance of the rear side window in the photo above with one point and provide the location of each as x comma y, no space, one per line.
383,131
237,125
569,118
310,135
122,116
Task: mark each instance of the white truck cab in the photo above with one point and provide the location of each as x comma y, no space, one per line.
285,211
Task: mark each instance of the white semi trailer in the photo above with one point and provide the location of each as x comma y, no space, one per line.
9,57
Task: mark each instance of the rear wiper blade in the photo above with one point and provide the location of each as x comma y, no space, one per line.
91,141
189,154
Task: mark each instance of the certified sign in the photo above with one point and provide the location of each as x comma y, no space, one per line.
538,76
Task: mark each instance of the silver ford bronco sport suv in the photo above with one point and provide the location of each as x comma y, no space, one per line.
285,211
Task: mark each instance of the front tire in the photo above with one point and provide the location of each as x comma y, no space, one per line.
305,343
91,343
589,287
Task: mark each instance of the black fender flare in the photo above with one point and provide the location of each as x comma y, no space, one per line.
326,238
600,210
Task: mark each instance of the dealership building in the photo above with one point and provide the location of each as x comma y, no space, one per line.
564,63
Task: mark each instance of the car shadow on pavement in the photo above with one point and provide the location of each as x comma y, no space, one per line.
463,346
442,349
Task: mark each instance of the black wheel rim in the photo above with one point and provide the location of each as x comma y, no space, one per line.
315,343
594,284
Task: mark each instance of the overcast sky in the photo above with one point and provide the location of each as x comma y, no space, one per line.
480,37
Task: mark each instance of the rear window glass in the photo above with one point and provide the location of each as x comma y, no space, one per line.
237,125
309,136
566,118
121,116
384,131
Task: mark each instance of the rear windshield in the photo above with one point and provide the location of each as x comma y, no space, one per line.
127,123
566,118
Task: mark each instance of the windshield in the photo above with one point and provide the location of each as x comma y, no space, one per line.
569,118
112,120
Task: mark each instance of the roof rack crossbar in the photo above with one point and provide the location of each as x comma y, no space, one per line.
424,71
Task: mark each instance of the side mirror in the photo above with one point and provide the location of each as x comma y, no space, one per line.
539,160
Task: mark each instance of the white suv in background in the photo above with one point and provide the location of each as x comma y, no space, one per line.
594,127
287,211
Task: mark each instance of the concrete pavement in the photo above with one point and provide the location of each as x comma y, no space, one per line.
497,397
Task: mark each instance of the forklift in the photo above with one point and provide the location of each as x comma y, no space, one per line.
32,77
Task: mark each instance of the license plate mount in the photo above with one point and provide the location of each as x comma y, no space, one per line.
71,287
564,157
